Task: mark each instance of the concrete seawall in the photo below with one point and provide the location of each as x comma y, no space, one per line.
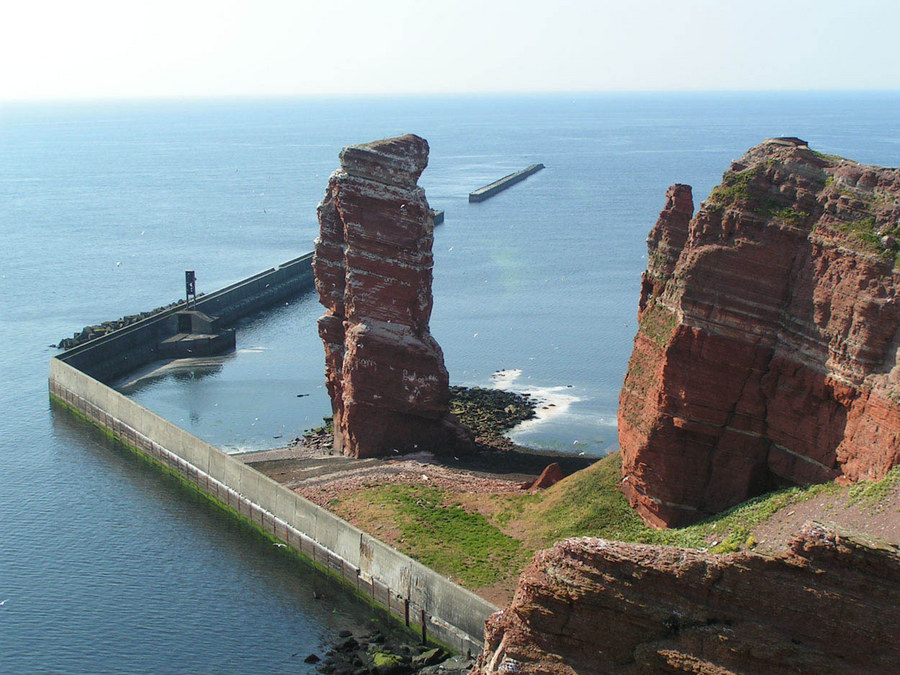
413,593
491,189
126,349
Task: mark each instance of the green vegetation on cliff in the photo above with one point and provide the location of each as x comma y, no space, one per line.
484,540
868,237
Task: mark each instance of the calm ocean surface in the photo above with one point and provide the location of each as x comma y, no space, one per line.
106,565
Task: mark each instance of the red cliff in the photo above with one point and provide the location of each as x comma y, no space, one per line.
373,269
767,352
830,604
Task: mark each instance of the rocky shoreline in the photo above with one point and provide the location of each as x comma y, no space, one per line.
378,653
489,413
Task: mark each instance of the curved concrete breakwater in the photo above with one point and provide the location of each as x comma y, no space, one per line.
425,601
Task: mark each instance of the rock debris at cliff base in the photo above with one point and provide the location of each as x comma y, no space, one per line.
767,349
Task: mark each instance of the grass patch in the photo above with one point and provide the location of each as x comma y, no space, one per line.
439,532
867,239
659,323
731,529
871,494
590,503
735,188
741,190
479,551
830,158
791,216
587,503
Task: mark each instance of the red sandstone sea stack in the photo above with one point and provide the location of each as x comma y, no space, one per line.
373,263
767,352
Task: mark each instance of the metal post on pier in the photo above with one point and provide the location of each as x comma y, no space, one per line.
190,287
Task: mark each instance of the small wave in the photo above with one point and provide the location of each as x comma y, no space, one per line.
504,379
550,401
242,449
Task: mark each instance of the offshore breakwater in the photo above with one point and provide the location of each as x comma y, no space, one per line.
416,595
502,184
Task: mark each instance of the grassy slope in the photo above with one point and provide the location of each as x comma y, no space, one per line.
484,541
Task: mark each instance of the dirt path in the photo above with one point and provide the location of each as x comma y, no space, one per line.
323,477
875,519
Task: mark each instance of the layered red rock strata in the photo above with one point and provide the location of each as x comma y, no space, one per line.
767,352
829,605
373,263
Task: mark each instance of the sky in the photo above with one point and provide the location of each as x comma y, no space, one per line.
122,49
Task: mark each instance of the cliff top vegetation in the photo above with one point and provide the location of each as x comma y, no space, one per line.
483,541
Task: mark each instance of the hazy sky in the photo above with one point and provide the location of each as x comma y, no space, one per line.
137,48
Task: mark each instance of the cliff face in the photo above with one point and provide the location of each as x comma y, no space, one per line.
767,352
373,269
829,605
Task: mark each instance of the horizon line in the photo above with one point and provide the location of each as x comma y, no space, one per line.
236,97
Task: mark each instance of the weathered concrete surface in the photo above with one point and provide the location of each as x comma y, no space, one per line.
373,268
767,352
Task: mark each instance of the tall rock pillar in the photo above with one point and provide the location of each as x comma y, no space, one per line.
373,264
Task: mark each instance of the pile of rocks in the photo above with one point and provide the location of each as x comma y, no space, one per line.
91,332
490,412
376,654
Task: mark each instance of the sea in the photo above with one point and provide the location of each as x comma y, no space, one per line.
109,566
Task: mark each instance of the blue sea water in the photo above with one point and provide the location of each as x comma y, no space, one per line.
107,565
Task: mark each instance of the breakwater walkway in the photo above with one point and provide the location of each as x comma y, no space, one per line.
502,184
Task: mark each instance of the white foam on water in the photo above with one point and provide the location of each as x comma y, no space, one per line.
252,350
551,401
243,448
504,379
556,411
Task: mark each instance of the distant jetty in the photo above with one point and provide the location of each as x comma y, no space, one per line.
491,189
